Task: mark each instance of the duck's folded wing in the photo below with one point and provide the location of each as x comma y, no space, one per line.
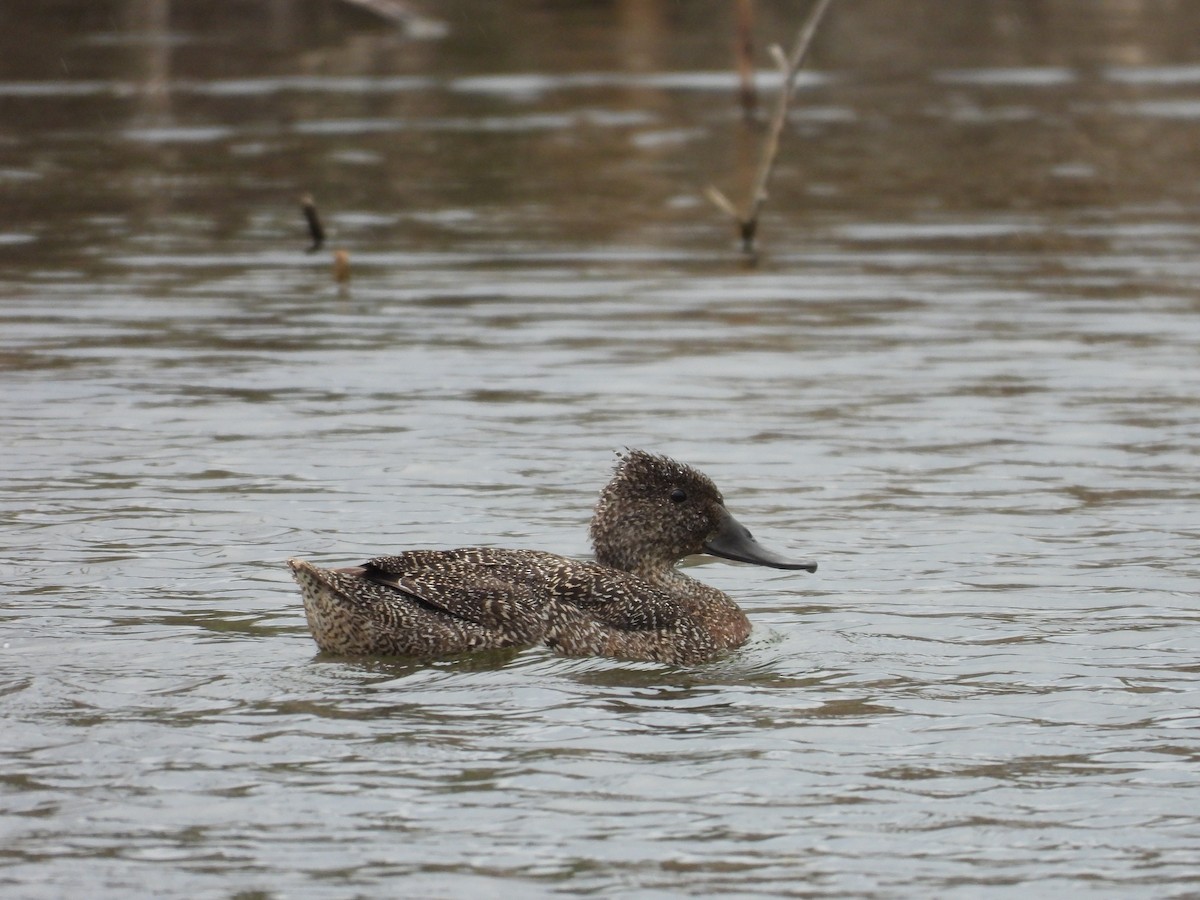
618,599
475,593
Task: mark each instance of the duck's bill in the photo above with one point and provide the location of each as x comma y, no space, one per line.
734,541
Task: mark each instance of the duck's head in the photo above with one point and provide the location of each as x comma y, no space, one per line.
655,511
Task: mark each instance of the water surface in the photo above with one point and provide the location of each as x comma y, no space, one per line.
962,376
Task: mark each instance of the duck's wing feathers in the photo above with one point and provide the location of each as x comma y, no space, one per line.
495,589
492,586
618,599
577,608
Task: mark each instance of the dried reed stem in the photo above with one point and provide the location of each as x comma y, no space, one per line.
789,67
744,51
315,230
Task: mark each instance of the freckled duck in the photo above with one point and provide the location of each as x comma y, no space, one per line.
630,603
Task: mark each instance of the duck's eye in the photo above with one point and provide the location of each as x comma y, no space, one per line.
678,495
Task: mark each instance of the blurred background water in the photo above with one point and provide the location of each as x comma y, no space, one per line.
962,376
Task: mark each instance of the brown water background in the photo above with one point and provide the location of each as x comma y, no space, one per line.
963,376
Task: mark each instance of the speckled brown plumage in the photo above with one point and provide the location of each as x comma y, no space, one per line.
631,603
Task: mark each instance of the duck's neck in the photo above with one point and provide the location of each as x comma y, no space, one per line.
639,563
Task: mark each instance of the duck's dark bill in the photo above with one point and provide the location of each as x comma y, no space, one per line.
734,541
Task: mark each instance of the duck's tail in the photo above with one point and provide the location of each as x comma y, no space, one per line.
352,615
331,619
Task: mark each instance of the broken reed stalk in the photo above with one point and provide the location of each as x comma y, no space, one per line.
341,266
744,51
315,230
789,66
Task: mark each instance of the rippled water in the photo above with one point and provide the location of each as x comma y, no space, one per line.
963,377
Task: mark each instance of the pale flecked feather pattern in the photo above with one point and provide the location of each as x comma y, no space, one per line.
631,603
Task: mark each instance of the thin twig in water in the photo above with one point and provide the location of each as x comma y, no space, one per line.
341,259
315,230
341,266
744,49
789,66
